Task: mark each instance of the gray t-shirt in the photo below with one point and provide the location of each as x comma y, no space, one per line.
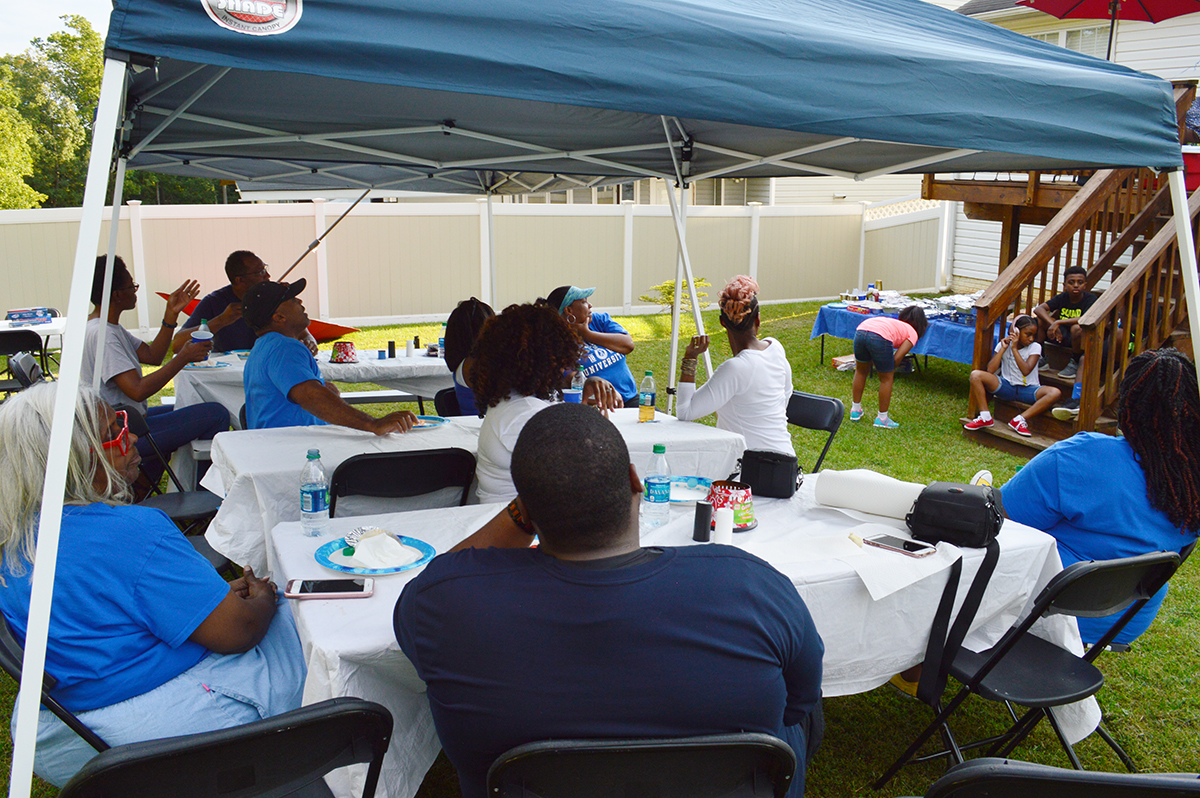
120,355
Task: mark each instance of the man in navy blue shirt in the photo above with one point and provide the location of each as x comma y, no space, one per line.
591,636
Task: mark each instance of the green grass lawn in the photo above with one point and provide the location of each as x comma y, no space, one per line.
1150,697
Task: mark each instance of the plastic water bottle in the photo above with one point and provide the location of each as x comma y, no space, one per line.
204,326
314,496
442,343
578,379
646,396
656,502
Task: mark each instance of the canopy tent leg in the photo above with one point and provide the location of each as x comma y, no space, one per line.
1187,251
114,227
685,263
112,90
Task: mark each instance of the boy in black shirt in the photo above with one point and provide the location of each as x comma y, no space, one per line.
1058,319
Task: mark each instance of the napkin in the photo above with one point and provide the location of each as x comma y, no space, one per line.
867,492
382,551
884,572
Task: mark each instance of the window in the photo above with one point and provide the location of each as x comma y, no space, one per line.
1089,41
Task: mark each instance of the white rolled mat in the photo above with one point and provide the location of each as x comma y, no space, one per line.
867,491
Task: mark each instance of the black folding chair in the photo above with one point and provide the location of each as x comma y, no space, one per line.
811,411
1026,670
445,403
11,658
395,475
988,778
716,766
25,369
186,508
272,757
15,342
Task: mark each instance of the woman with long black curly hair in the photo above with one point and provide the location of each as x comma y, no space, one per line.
1104,497
522,358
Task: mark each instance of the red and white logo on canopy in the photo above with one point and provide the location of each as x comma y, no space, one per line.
254,17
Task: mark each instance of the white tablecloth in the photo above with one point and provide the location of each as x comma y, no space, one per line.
258,471
421,376
351,647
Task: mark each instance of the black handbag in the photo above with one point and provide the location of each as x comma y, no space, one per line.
770,474
962,515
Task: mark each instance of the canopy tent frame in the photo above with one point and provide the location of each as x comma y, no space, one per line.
776,122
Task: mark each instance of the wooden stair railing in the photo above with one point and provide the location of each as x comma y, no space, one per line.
1139,311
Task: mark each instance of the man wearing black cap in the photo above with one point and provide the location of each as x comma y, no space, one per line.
591,635
283,385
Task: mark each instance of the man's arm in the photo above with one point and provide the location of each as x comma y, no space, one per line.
329,407
152,354
242,618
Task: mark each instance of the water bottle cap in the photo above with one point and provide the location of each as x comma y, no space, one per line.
660,448
649,373
314,454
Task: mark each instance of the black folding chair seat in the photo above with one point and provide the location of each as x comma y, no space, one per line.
715,766
273,757
811,411
989,778
397,475
1028,671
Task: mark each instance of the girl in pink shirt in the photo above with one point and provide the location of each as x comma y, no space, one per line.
883,342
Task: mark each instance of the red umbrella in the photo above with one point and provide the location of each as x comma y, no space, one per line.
1151,11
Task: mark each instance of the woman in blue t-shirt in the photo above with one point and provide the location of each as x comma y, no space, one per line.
146,640
605,342
1103,497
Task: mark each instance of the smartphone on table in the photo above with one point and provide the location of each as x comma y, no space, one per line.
909,548
359,587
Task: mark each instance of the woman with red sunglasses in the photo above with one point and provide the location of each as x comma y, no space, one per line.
146,639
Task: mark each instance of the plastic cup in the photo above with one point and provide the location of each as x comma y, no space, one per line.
573,395
200,337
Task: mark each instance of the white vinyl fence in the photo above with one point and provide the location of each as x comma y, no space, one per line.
401,262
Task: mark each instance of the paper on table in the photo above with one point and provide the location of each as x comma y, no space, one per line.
884,572
867,491
826,547
383,551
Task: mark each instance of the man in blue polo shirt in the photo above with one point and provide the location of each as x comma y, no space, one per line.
589,635
284,387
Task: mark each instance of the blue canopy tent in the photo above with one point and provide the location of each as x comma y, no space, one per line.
521,95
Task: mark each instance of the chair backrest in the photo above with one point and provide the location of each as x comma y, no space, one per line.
716,766
445,402
139,427
394,475
812,411
19,340
25,368
274,756
242,417
12,659
991,777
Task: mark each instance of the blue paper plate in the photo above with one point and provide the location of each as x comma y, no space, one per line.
689,490
204,365
428,422
329,554
837,305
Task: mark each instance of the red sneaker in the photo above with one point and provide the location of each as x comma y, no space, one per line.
1020,427
978,423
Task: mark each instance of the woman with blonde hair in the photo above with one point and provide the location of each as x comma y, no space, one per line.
750,391
146,640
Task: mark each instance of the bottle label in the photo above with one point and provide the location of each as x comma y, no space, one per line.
314,499
658,489
646,399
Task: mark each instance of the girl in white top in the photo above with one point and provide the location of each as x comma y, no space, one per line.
750,391
522,357
1016,359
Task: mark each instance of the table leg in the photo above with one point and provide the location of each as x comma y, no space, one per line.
822,349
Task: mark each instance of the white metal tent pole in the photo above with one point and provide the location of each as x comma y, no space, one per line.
1187,251
675,216
491,245
29,696
114,227
677,210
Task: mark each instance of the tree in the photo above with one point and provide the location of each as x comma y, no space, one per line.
16,149
664,294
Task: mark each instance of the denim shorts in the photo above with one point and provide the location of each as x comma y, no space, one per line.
1021,393
872,347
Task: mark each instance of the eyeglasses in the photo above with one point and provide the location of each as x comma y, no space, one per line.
121,441
131,287
261,272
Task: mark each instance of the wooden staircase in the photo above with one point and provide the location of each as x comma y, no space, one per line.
1116,223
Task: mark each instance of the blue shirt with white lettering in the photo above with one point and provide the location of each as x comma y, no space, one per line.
600,362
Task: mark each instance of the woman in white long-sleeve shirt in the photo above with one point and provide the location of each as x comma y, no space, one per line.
750,391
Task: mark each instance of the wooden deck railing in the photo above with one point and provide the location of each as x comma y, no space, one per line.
1139,311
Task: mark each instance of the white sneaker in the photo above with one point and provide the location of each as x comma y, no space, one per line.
982,477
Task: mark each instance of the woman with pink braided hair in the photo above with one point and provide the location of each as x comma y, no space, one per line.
749,392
